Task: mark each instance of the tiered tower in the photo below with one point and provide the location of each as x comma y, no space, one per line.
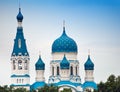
20,58
40,79
89,83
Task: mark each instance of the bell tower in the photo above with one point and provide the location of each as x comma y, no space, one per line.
20,58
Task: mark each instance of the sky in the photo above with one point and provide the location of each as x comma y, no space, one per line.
93,24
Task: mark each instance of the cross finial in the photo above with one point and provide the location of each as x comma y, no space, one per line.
88,52
63,23
39,54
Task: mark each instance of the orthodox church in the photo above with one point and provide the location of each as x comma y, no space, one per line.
64,65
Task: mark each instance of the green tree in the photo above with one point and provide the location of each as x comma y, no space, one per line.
67,90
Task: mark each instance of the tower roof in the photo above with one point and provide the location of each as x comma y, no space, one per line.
40,64
64,64
19,43
19,16
89,64
64,44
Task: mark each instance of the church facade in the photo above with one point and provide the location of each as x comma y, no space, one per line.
64,66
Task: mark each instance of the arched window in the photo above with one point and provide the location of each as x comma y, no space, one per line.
22,80
76,71
57,70
19,43
52,70
17,80
71,70
26,67
19,65
14,67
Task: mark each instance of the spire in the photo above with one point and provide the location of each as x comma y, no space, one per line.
20,47
19,16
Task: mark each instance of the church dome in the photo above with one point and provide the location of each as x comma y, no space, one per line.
64,64
40,64
64,44
19,16
89,64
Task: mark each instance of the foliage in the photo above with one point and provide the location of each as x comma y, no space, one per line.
111,85
66,90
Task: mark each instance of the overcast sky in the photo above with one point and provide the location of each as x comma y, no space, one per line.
93,24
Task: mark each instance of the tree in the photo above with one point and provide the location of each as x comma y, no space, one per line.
67,90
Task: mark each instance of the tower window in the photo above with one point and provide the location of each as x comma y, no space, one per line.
14,67
19,43
76,70
52,70
71,70
19,65
57,70
26,67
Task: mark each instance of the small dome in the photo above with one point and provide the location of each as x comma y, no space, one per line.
64,64
19,16
40,64
89,64
64,44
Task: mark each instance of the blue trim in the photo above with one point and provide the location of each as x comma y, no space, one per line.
20,85
67,83
26,75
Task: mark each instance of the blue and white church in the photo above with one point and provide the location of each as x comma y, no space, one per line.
64,65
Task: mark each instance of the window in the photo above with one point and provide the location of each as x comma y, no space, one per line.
17,80
57,70
19,43
76,70
71,70
26,67
52,70
19,65
22,80
14,67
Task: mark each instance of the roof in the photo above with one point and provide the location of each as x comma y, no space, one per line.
64,64
89,64
37,85
64,44
40,64
20,44
89,84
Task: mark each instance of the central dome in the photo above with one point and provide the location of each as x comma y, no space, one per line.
64,44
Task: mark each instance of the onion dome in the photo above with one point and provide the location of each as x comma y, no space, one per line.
64,64
89,64
40,64
64,44
19,16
